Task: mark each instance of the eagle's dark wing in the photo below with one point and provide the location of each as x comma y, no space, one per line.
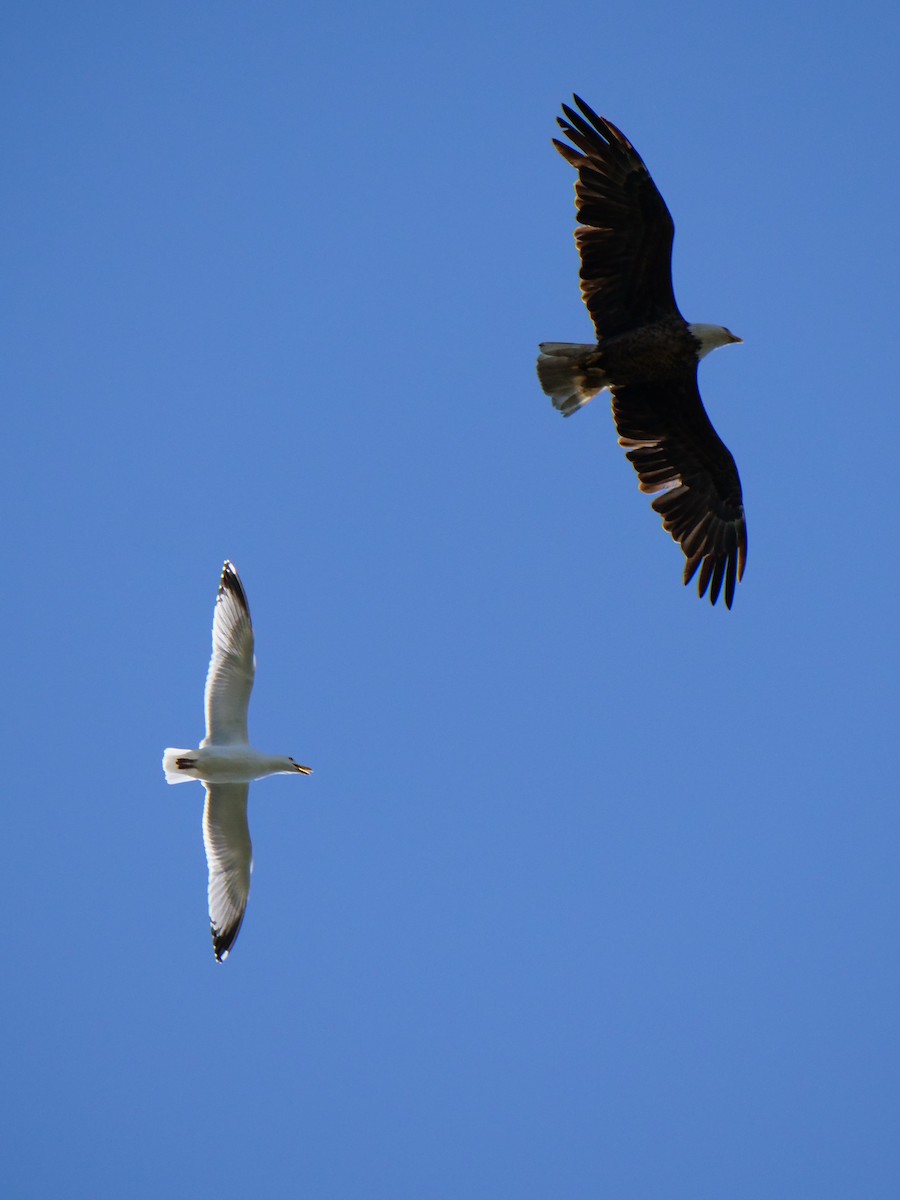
625,231
672,445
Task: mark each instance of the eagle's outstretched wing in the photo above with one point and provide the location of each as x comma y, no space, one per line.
671,443
625,231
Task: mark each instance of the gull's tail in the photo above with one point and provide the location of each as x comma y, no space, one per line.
567,376
175,765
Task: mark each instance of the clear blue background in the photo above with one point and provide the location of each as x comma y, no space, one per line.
594,891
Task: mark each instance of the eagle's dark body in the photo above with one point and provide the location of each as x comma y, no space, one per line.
660,351
646,353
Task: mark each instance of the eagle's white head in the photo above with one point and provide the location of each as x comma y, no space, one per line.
711,337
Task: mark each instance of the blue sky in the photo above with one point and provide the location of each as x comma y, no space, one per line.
594,891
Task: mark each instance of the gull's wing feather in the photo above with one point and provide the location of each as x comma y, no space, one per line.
232,666
229,854
671,443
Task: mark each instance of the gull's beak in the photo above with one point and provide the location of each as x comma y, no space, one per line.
735,338
303,770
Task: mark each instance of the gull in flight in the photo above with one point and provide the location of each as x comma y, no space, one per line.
226,763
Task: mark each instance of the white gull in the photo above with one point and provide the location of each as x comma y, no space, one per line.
226,763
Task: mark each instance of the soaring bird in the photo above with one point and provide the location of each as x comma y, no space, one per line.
646,353
226,763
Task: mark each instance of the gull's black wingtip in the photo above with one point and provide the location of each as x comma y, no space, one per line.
229,574
223,939
231,582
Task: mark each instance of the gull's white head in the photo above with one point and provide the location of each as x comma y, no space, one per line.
711,337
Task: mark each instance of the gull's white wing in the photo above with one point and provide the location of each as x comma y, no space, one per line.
229,854
232,666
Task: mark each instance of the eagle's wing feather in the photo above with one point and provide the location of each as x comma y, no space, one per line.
625,230
671,443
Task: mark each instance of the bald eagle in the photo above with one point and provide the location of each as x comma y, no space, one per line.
646,353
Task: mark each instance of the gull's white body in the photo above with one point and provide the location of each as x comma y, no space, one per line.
238,763
226,763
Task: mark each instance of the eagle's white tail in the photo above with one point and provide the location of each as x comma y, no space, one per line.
564,377
174,773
